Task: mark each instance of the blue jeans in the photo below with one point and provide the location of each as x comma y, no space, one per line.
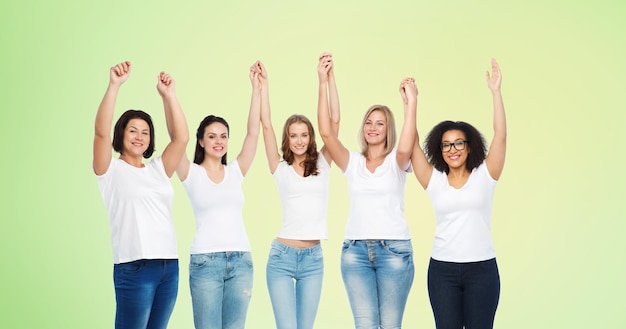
378,275
145,293
294,280
464,294
221,288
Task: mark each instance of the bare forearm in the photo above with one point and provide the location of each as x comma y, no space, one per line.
175,120
499,117
323,115
104,116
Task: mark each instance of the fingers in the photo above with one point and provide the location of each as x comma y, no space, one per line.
325,64
165,78
121,68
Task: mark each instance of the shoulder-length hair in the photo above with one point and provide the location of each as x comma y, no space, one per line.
390,140
122,123
198,156
311,154
477,149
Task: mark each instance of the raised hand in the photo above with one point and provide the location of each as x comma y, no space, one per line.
255,75
119,73
494,80
408,90
325,67
166,85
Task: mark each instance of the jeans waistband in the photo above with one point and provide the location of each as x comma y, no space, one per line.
287,249
223,254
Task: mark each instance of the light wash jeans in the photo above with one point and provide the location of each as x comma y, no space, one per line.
294,280
378,275
145,292
221,288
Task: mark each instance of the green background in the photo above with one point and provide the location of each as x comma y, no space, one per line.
558,217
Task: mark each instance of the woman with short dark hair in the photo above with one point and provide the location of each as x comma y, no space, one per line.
138,197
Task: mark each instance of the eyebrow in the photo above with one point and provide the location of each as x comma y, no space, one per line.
146,129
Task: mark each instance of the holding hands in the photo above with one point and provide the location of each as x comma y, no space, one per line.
495,79
408,90
325,67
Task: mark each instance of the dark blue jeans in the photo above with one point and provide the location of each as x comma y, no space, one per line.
145,291
464,294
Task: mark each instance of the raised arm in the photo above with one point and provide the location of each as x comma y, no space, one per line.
248,149
176,124
269,137
497,150
102,152
408,91
328,121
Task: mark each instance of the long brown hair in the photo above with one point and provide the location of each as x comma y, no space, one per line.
311,154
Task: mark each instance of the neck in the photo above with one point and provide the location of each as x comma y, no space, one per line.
212,163
133,160
298,159
458,172
376,151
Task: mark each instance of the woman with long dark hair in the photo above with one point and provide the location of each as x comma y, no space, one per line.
220,268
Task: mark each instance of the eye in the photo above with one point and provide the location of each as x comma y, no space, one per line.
445,145
145,133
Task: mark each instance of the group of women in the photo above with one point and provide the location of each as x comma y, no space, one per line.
455,168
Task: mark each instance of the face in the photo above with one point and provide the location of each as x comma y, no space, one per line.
375,128
454,140
299,138
136,137
215,140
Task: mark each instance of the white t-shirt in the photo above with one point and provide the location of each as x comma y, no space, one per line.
304,201
139,203
376,200
217,208
463,215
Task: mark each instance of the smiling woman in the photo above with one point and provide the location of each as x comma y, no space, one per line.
138,198
460,178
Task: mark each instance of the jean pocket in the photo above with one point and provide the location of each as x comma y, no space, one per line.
346,245
199,261
246,258
402,248
132,267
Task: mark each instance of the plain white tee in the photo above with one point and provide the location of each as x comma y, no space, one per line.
139,203
304,201
217,209
376,200
463,215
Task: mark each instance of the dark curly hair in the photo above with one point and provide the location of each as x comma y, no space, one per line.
199,153
475,143
120,126
311,155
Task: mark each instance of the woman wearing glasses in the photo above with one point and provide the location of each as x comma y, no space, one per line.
460,175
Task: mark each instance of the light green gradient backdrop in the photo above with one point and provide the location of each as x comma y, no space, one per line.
558,219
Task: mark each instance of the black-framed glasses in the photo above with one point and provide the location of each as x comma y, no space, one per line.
458,144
